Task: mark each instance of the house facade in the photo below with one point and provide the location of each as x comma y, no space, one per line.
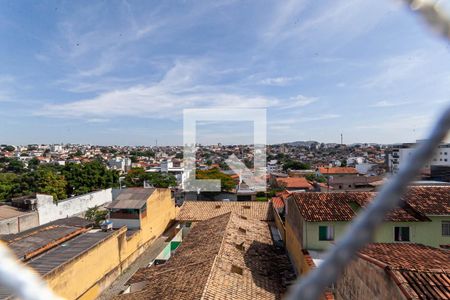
315,221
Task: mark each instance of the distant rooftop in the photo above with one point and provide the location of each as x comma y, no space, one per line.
337,170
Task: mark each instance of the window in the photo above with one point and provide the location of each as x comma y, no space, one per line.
246,206
401,234
326,233
242,230
446,228
217,206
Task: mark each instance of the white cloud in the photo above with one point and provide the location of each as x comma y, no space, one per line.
183,86
346,19
279,81
299,101
303,119
385,103
396,69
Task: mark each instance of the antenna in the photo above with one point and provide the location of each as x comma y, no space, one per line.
342,139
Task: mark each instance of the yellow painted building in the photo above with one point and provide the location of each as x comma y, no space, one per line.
89,273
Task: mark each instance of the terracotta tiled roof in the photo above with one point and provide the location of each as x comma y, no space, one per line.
194,211
404,213
421,272
283,194
226,257
429,200
277,202
294,182
337,170
317,207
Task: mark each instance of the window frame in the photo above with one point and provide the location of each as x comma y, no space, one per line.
446,223
328,228
409,234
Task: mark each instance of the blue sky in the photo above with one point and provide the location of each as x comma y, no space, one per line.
121,72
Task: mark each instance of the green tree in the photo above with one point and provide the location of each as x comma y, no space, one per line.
96,215
161,180
317,178
49,182
15,166
9,148
295,165
88,177
8,183
226,181
33,163
136,177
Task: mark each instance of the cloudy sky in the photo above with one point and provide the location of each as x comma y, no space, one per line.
121,72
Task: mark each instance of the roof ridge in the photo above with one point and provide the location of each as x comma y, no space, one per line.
218,253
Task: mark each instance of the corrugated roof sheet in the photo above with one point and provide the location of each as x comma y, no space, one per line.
40,239
72,221
67,251
131,198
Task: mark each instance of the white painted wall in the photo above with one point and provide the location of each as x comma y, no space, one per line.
49,211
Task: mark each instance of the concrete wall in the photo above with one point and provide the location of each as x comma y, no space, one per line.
49,211
89,274
364,280
19,223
